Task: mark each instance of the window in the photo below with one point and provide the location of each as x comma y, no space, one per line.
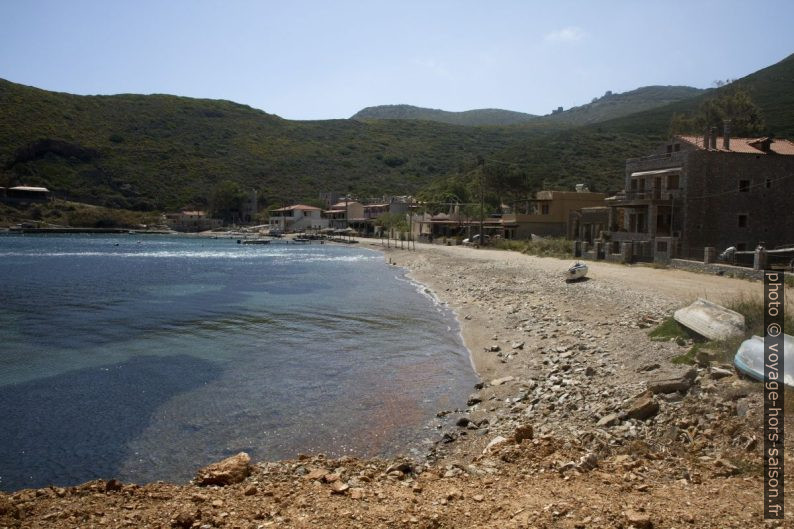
661,246
744,186
672,181
544,209
677,147
742,221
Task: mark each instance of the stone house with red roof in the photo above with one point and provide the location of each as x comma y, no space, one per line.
709,191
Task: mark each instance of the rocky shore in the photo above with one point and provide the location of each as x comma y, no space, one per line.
580,421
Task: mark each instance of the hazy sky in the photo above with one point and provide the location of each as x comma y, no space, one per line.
318,60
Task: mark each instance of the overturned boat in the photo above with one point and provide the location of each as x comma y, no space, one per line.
710,320
576,271
749,359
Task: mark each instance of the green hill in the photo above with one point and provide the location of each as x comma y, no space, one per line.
165,152
771,88
606,107
479,117
611,106
596,153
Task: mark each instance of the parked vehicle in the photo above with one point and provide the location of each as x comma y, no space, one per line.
476,240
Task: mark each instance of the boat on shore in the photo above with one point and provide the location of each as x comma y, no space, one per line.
749,359
576,271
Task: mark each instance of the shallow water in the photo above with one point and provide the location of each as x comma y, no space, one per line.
142,358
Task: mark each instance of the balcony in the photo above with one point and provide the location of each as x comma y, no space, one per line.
651,197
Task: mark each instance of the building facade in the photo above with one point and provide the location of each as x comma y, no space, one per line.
191,221
299,217
709,191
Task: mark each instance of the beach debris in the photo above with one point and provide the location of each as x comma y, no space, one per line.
496,441
643,407
638,520
681,382
720,372
339,487
710,320
226,472
500,381
608,420
524,432
473,399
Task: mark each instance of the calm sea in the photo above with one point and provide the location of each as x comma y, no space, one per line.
145,357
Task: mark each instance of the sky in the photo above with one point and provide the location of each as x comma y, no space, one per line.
329,59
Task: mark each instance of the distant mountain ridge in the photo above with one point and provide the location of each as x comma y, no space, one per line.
612,106
474,118
604,108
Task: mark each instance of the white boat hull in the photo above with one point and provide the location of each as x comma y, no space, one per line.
576,271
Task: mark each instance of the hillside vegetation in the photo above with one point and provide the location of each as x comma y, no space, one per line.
479,117
771,89
595,154
165,152
611,106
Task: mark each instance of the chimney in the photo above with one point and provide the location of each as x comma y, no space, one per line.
706,139
726,135
713,139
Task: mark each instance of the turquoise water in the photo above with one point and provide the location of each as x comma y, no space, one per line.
142,358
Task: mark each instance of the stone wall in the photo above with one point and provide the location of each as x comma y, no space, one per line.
715,203
717,269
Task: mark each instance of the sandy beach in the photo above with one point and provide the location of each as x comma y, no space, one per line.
579,421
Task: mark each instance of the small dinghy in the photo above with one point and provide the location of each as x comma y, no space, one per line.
576,271
749,359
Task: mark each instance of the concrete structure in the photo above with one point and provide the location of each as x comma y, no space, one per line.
191,221
705,191
341,214
588,224
299,217
249,208
549,213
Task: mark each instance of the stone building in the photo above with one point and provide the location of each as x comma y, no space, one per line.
709,191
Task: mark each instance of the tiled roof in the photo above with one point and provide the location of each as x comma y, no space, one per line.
745,145
299,207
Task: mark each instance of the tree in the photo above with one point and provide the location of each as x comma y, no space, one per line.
734,104
226,201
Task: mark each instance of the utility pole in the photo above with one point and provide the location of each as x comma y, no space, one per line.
481,162
347,217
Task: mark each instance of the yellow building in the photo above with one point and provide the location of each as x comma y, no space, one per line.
548,214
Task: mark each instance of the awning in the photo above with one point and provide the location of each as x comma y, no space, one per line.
658,171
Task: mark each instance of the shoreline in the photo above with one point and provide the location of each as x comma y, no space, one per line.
564,429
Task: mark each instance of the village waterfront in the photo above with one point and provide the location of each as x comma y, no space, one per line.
143,357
